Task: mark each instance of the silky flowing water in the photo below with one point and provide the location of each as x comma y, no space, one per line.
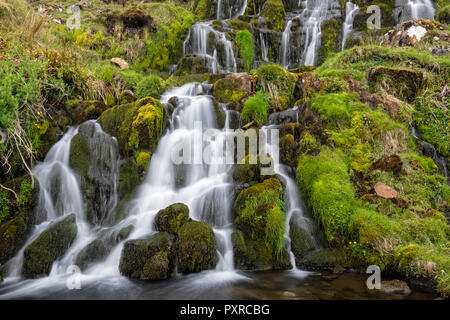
207,188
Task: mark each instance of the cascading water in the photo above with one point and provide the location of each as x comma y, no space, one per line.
351,10
310,19
230,9
412,9
203,40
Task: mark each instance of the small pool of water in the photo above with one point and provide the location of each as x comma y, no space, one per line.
278,285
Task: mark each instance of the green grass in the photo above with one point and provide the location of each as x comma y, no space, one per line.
255,109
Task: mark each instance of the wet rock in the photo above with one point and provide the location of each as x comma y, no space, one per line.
192,64
172,218
384,191
48,247
151,258
395,287
196,247
93,252
283,117
121,63
301,241
392,163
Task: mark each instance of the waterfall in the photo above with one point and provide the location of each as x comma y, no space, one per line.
351,10
313,13
205,41
230,9
412,9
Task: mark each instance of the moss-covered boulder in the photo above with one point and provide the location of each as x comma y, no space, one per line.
301,241
172,218
137,126
196,247
404,83
48,247
260,218
331,259
288,150
93,252
274,14
231,89
152,258
192,64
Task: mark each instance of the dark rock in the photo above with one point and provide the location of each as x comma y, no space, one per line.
395,287
392,164
151,258
48,247
93,252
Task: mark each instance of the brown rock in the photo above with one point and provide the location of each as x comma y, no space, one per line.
121,63
384,191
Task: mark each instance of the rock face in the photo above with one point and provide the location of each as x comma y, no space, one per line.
93,252
192,64
395,287
196,247
172,218
151,258
384,191
94,155
48,247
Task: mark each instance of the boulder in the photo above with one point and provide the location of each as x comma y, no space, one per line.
233,88
151,258
196,247
395,287
93,252
172,218
137,125
48,247
301,241
192,64
384,191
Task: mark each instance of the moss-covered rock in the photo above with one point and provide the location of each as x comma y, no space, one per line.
278,84
331,34
192,64
48,247
331,259
260,219
151,258
301,241
274,14
404,83
288,150
93,252
172,218
230,89
196,247
137,125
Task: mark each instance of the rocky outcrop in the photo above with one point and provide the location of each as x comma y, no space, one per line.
48,247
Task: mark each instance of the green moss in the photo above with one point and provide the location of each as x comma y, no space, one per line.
443,14
149,86
228,90
143,159
288,150
278,83
196,247
203,9
255,109
93,252
49,246
330,39
274,14
245,42
138,125
172,218
80,154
